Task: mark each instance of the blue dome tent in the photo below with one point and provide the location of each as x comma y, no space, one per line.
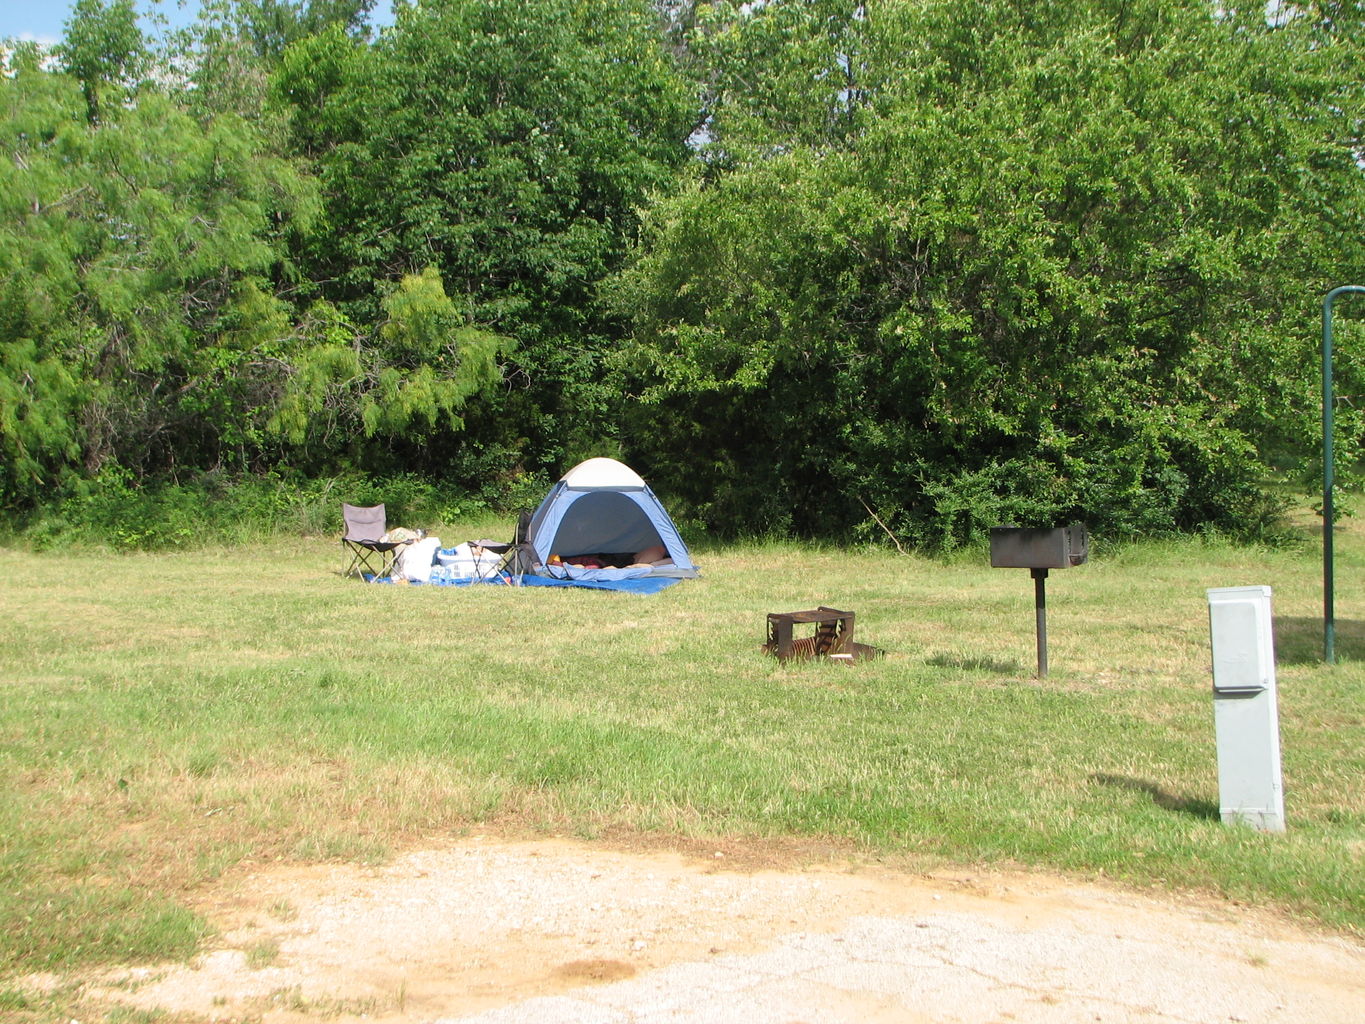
602,510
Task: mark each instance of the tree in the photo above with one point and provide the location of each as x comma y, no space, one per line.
225,58
104,49
780,73
508,144
154,317
272,25
410,381
1063,269
140,323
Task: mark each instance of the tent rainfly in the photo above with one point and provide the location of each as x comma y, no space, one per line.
602,507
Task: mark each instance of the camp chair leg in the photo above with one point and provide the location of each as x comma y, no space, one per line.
356,560
387,558
360,564
353,559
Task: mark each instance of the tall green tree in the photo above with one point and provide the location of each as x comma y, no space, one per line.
272,25
408,378
1065,268
105,50
140,323
509,145
223,60
780,73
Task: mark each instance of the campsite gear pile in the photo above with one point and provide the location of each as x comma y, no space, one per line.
599,526
472,560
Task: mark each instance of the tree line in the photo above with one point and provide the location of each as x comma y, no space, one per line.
814,266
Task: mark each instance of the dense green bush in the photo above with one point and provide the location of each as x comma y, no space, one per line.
812,267
1051,269
114,512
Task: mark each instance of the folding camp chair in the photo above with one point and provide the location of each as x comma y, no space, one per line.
363,541
519,557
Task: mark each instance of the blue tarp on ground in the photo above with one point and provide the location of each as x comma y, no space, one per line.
641,585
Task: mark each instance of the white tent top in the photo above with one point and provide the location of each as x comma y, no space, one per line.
602,474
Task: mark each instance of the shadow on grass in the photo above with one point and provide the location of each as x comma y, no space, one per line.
1167,801
1009,668
1298,639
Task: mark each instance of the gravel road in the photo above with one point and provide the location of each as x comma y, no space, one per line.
498,932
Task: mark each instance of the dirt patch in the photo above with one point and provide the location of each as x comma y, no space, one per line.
483,923
583,971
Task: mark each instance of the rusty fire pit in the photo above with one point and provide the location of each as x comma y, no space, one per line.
833,637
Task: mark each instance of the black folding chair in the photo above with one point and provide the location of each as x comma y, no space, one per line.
518,558
363,541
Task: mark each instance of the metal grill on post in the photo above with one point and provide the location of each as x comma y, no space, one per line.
1038,550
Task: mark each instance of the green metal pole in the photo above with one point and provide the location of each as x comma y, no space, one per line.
1329,624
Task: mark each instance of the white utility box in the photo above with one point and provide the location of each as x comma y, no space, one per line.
1246,716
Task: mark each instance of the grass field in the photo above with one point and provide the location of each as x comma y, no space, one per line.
171,718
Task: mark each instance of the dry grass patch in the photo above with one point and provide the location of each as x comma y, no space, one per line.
173,718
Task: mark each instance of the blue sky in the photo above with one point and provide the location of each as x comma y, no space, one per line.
42,20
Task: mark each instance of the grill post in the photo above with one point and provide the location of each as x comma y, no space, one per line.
1040,616
1039,550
